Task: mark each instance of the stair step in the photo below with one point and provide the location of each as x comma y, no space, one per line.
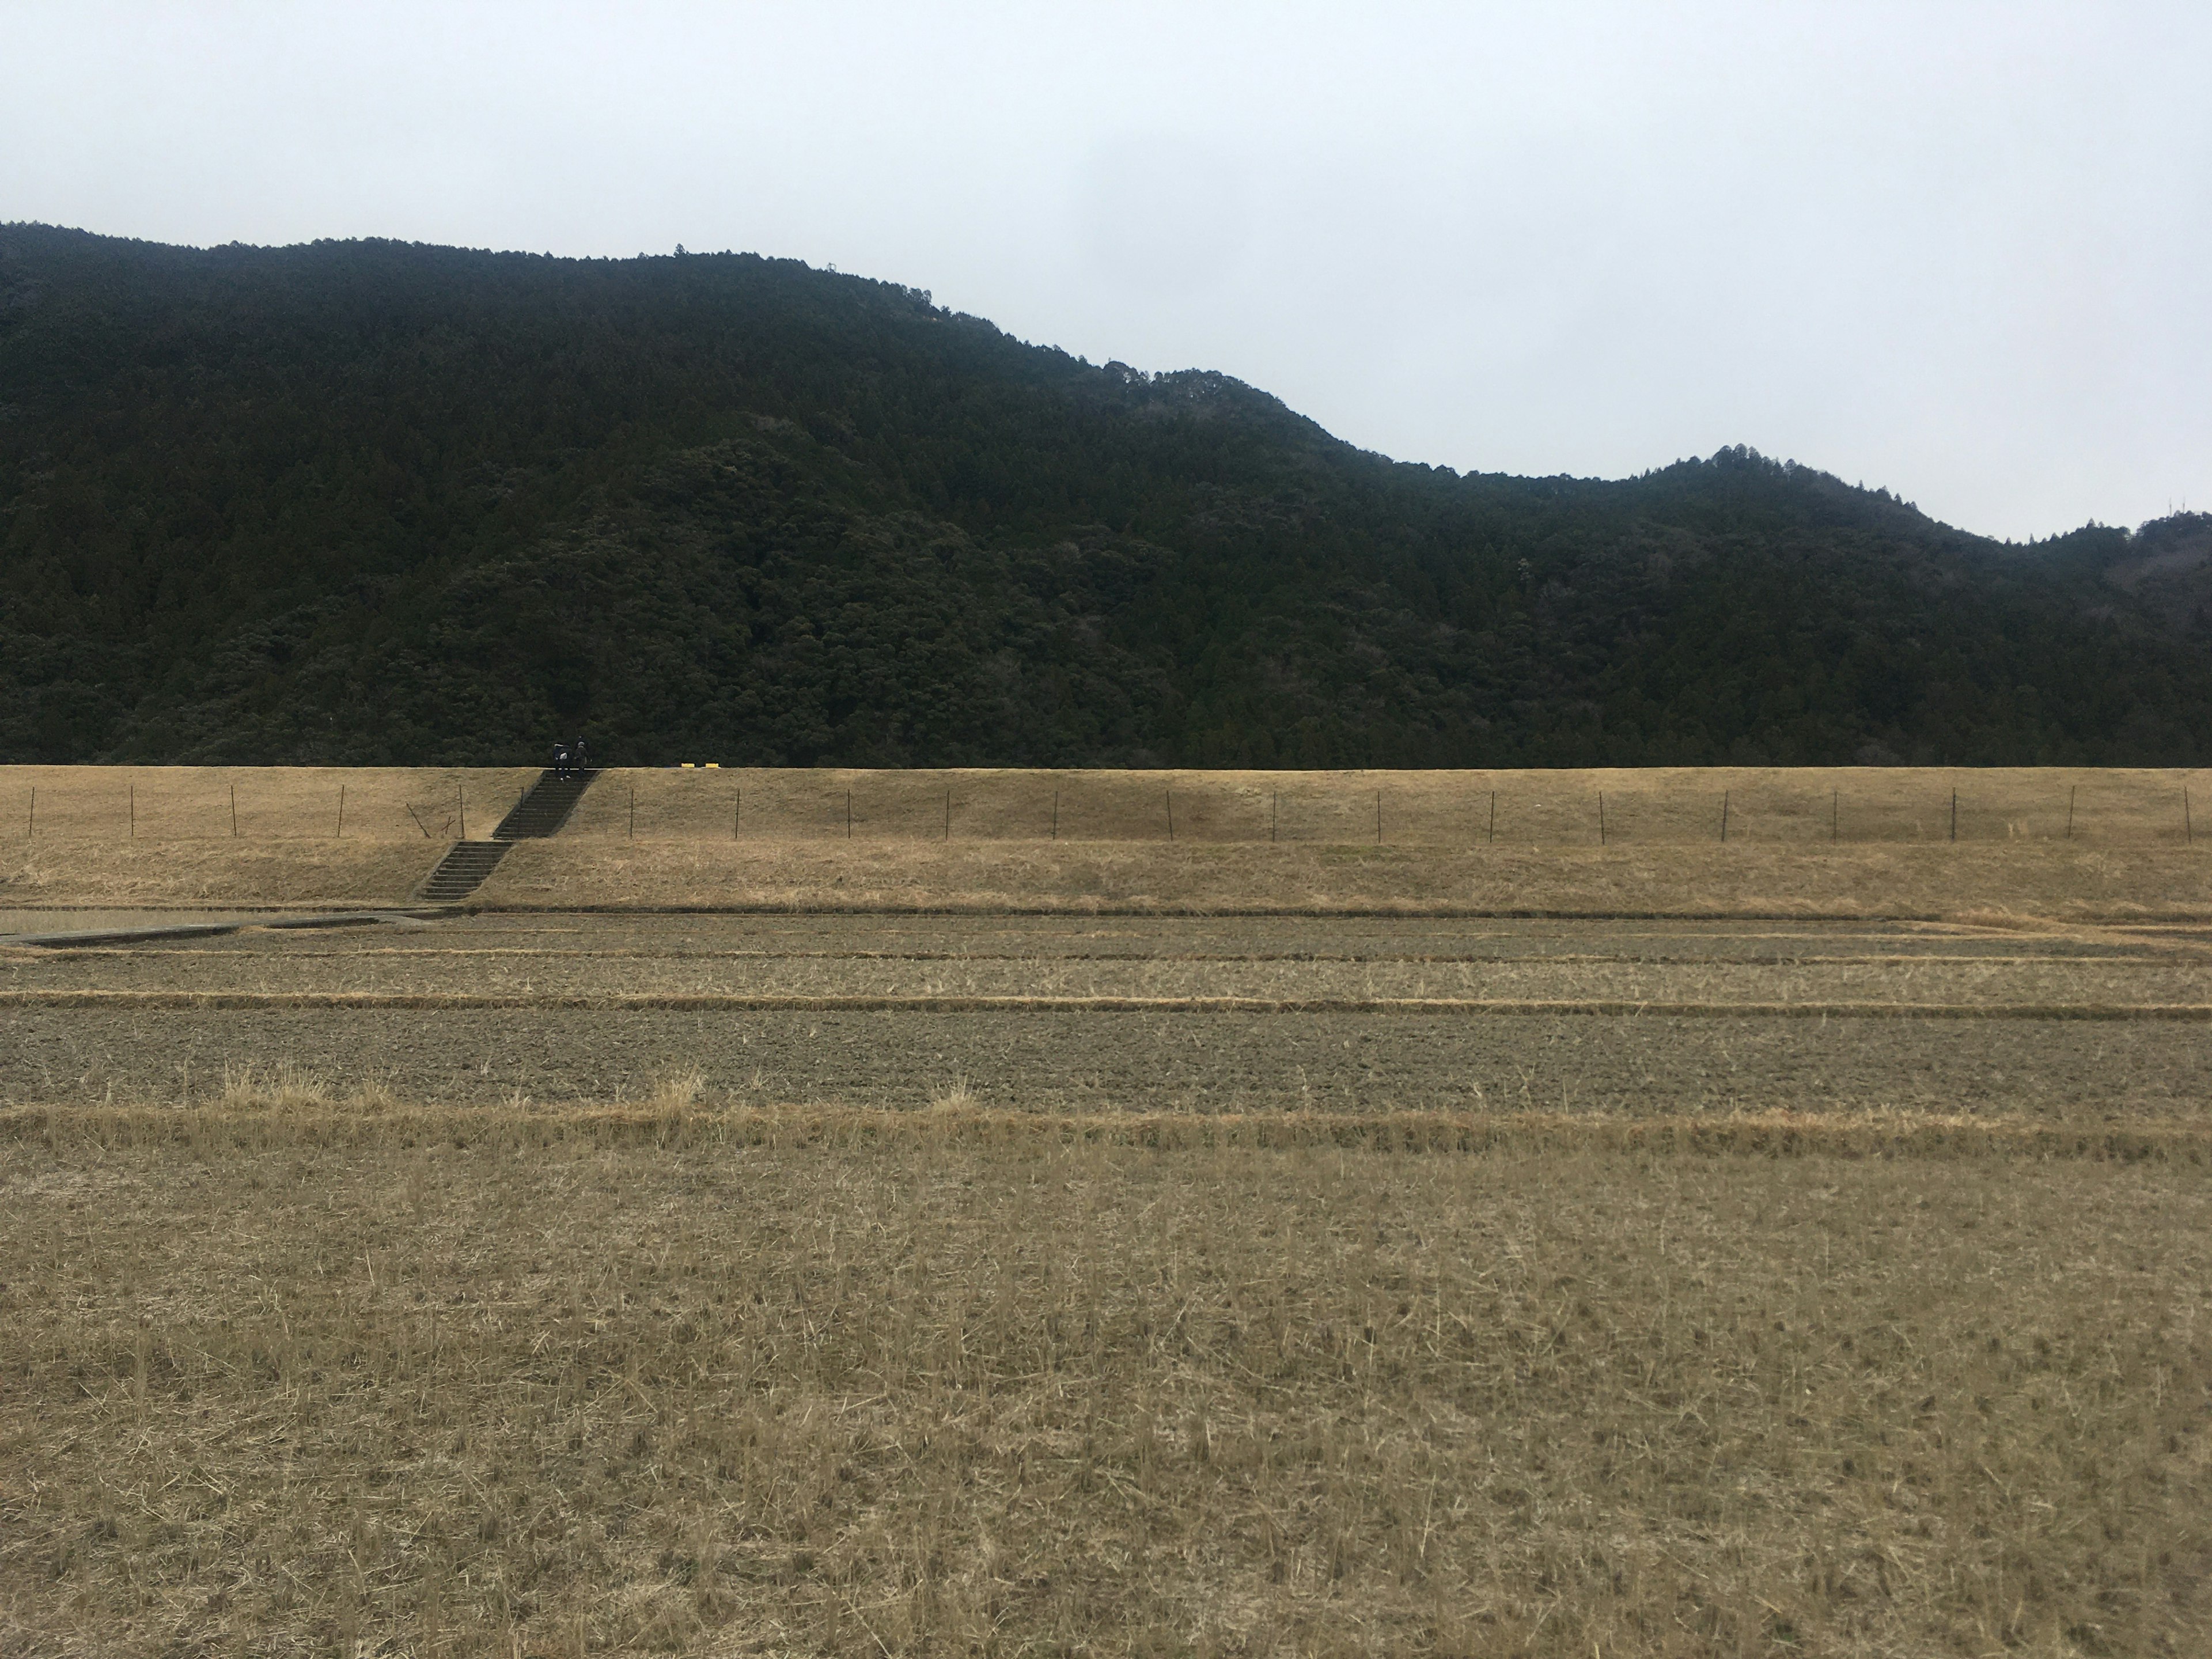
544,807
462,870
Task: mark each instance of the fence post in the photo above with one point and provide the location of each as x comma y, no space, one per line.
342,812
31,829
2071,790
2188,829
1954,815
1835,816
948,815
633,811
1171,814
1055,815
1600,817
1493,816
1378,817
134,812
1724,815
737,813
1274,813
848,815
233,812
461,805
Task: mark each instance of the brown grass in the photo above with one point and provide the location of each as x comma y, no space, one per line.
779,840
162,837
286,1106
611,1001
2022,885
1041,1356
282,1377
409,804
1800,806
1056,1014
1795,806
43,875
2028,879
364,966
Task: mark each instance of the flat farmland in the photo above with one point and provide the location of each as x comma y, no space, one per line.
1102,1265
1043,1015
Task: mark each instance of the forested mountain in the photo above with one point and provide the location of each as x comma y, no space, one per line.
370,501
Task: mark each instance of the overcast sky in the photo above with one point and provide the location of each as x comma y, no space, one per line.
1963,251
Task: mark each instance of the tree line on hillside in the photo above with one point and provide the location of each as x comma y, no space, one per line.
376,502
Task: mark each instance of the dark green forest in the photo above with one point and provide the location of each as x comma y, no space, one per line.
378,502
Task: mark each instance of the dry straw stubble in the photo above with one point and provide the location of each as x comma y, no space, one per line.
960,1393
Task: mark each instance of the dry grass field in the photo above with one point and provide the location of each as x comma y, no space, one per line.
1797,806
167,836
1664,805
1206,1246
2035,879
169,804
281,1385
1852,841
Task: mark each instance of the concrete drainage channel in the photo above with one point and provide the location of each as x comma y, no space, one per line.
214,927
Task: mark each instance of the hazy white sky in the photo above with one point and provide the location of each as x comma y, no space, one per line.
1961,250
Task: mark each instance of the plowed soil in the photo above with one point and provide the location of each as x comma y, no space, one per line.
1144,1015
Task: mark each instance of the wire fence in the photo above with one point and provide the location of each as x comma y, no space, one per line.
1400,808
1800,807
155,804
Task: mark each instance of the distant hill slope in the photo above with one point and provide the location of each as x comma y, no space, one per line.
367,502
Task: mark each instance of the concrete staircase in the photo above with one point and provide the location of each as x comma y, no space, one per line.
544,808
461,872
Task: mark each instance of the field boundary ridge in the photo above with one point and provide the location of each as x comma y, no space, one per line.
1083,908
2126,914
720,1002
378,1122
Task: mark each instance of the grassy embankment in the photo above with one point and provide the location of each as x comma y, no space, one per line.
1862,842
182,836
